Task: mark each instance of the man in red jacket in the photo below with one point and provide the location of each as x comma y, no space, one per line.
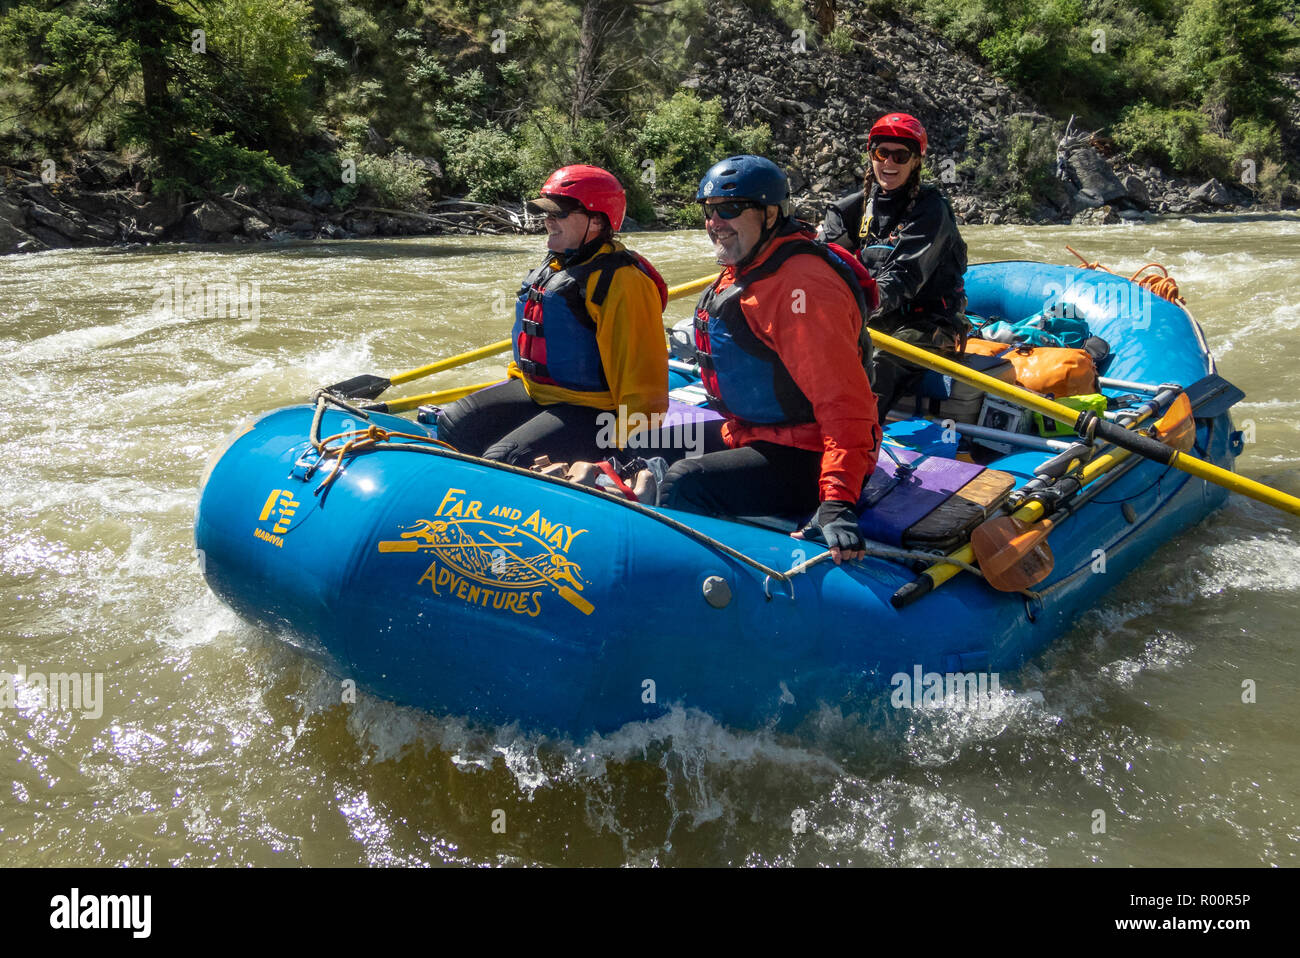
783,352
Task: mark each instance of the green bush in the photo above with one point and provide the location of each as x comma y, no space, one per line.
689,216
200,163
1179,139
484,164
1255,140
840,40
685,135
1018,163
1273,185
396,180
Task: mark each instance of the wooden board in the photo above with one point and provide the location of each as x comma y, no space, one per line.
951,521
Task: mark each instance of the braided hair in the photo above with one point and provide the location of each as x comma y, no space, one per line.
912,186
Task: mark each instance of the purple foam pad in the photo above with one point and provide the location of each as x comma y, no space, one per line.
679,412
932,482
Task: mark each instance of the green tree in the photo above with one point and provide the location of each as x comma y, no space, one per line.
1228,54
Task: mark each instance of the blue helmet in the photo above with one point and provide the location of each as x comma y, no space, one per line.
746,178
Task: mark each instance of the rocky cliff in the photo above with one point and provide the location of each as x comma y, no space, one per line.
820,102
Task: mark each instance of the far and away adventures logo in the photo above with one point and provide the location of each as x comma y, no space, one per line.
496,559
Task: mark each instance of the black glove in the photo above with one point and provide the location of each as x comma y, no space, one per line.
836,524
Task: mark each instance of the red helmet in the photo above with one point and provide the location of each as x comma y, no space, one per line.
899,126
597,190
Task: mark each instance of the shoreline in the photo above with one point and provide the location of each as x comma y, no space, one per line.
36,216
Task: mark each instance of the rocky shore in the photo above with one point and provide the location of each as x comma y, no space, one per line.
820,102
817,97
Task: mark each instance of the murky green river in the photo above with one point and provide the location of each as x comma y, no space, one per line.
217,744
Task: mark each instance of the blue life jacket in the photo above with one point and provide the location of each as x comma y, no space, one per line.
744,378
554,336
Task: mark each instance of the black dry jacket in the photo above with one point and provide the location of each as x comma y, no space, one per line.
913,250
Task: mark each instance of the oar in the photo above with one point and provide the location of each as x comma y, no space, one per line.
1088,424
1207,398
1012,551
569,596
442,395
367,386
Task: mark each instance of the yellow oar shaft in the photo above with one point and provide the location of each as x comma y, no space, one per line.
442,395
451,362
694,286
1236,483
1110,432
493,349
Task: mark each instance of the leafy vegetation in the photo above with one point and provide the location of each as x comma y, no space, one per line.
1190,84
1019,164
277,94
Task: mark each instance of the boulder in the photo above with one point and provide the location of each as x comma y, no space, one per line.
39,193
99,168
361,226
50,238
109,205
1137,191
58,222
293,219
161,212
256,226
15,240
213,218
12,213
1084,200
1094,175
1212,192
1101,216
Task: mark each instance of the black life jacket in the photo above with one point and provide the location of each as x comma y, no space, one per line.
942,300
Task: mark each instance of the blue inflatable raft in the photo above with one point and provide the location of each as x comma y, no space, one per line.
480,590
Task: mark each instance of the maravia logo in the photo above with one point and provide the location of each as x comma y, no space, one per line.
102,911
501,560
282,505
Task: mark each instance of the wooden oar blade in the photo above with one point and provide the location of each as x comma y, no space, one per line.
1013,554
364,386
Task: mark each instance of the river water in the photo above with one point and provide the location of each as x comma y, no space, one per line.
216,743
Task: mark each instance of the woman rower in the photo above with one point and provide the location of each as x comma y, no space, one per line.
588,337
906,235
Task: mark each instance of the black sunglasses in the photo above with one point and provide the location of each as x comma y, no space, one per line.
900,155
728,209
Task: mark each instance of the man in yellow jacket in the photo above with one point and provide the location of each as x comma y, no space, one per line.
588,337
